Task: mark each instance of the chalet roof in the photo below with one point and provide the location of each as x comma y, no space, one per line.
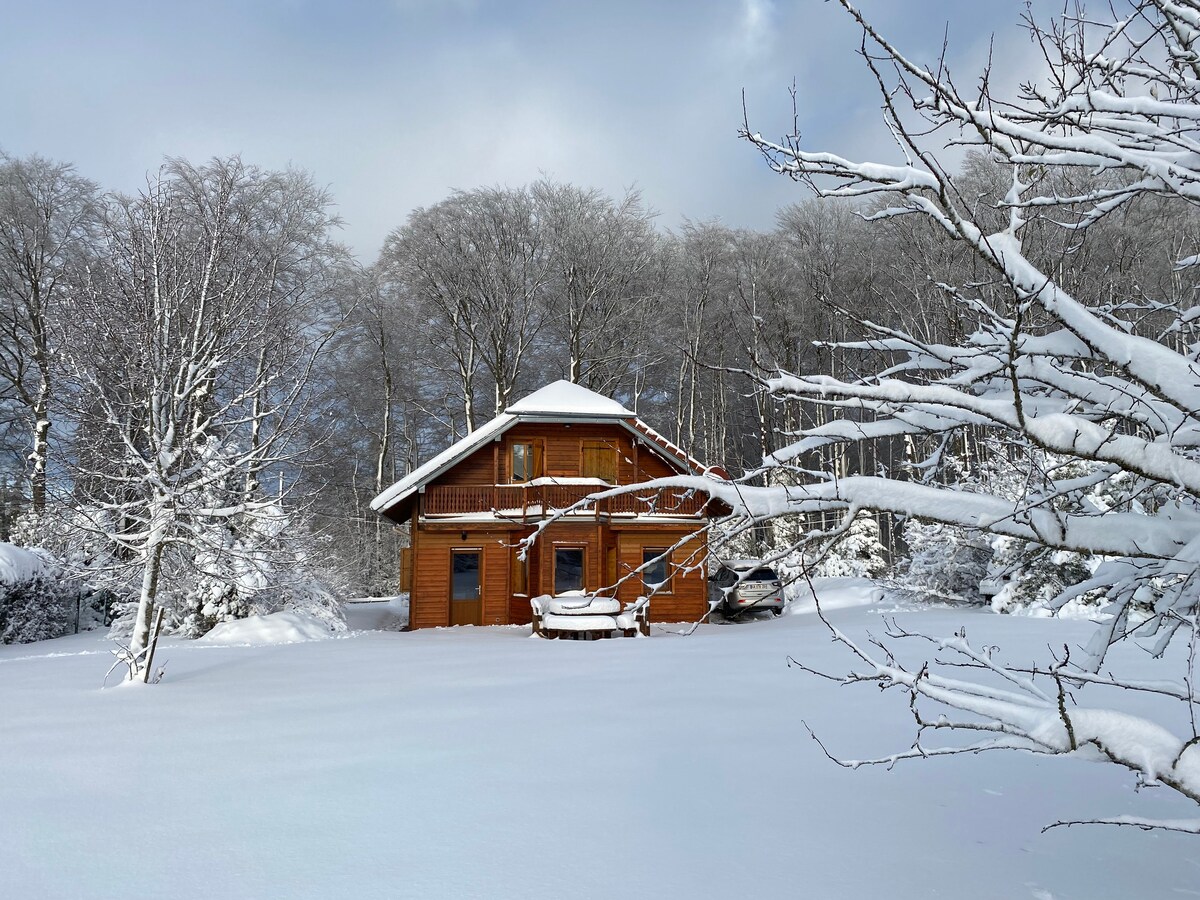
562,398
559,401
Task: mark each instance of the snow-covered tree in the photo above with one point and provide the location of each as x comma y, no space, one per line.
1111,381
858,554
47,216
260,562
201,320
945,562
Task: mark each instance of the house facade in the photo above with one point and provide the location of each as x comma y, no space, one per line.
470,507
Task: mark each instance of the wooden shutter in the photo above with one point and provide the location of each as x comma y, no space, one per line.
599,461
520,572
538,471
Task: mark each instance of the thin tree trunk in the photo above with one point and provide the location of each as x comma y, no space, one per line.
145,612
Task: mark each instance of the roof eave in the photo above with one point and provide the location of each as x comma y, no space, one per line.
387,501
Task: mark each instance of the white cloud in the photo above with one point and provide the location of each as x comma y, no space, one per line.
393,105
755,29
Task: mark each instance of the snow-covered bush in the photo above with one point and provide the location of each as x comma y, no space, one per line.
1030,577
945,562
78,540
954,562
859,553
37,599
256,564
260,562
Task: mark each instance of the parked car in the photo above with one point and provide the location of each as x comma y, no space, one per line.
744,585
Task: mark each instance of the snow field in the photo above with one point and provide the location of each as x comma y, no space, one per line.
475,762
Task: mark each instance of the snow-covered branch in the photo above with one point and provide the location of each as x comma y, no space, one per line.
1098,395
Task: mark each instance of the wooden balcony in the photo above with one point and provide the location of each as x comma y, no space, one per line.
526,502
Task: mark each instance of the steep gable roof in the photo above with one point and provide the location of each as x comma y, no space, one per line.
559,401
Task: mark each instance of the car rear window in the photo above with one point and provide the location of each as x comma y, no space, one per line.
762,575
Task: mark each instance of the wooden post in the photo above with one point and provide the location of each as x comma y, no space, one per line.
158,617
495,473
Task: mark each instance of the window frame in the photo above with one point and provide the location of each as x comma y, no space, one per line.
582,549
667,585
536,453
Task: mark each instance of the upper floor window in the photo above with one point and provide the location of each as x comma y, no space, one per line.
526,461
599,461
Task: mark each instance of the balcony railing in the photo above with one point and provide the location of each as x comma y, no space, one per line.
521,502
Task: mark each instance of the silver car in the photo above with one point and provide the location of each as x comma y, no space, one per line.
744,585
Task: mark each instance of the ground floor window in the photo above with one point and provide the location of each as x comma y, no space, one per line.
656,569
568,569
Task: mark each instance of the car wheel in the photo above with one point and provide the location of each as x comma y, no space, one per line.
777,610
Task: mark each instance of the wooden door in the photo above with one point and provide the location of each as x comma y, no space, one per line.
466,599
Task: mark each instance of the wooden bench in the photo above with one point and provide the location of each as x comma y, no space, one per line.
580,617
634,620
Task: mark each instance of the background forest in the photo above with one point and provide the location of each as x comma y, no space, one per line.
201,390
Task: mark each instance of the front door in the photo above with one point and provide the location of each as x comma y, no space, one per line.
466,601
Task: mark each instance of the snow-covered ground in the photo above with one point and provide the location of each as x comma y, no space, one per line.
478,762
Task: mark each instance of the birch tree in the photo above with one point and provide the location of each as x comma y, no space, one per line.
204,313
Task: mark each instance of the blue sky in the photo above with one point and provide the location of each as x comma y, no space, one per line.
393,103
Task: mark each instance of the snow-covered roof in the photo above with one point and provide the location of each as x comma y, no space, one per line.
674,449
560,400
444,460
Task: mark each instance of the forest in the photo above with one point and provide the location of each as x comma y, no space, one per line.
201,389
200,374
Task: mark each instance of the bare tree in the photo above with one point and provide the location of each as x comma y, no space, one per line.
204,314
1084,379
476,263
601,259
47,218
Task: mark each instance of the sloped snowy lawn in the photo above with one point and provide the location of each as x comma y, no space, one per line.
481,763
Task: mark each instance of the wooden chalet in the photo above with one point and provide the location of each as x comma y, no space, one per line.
470,505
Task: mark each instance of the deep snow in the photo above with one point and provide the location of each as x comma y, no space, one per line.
478,762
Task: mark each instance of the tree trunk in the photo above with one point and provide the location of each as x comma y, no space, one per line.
145,612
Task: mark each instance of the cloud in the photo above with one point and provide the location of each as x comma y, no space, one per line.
755,30
394,104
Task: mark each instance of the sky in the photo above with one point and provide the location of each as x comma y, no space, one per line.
392,104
